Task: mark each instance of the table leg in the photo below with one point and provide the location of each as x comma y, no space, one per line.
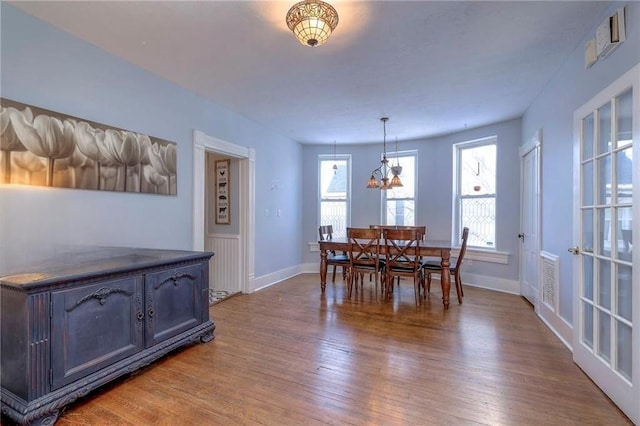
445,279
323,269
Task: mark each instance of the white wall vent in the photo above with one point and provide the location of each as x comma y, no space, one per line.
610,33
549,275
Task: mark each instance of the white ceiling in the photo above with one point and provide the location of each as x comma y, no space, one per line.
433,67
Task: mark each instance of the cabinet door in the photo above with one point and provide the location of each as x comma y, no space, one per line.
94,326
173,301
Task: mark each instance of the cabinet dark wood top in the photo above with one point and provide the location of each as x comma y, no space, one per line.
87,262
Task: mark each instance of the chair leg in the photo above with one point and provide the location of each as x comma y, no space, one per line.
460,281
349,284
428,282
333,278
416,289
458,288
422,285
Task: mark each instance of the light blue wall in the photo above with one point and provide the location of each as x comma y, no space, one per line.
46,67
434,199
552,111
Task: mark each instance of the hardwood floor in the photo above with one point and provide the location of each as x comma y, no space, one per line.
290,355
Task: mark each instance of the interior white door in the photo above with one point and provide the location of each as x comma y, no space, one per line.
529,220
606,335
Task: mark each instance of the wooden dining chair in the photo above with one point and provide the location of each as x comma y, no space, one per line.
364,256
422,232
342,260
402,258
429,267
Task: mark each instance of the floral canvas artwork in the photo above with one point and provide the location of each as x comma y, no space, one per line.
46,148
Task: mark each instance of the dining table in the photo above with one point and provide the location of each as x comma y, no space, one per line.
426,248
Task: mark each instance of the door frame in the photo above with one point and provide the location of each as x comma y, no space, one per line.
534,143
203,143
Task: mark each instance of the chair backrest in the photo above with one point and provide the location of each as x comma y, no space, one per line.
463,247
401,248
421,229
364,247
326,232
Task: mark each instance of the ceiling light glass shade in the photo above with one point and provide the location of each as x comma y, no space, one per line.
395,181
312,21
373,182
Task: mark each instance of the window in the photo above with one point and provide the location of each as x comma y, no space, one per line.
399,204
475,191
335,192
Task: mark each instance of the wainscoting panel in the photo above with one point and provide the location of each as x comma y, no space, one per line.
549,310
224,267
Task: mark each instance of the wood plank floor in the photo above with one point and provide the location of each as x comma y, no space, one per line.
288,355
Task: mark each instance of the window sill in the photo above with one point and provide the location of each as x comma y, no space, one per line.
480,255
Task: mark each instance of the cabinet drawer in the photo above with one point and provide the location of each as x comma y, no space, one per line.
95,326
173,301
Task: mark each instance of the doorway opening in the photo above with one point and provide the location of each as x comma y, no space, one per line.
239,259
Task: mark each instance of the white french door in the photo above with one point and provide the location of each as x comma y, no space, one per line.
606,308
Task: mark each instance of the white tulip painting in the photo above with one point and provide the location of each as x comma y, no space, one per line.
45,148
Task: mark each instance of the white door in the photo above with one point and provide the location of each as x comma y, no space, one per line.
606,308
529,219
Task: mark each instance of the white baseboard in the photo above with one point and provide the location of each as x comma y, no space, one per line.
310,268
273,278
491,283
561,328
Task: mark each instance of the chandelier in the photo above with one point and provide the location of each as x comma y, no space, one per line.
312,21
384,169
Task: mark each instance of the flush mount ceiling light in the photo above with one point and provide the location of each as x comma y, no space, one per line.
312,21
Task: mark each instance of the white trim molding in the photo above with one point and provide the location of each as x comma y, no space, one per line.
203,143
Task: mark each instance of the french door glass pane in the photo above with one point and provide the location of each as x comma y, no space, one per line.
604,179
604,135
624,291
604,333
587,276
587,230
624,350
587,141
604,231
587,183
624,230
624,170
604,283
624,121
587,330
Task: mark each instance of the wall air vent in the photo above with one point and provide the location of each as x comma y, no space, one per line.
610,33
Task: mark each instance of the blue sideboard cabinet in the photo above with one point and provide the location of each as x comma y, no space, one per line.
79,319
